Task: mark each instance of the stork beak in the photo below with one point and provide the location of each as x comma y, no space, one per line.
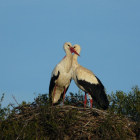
72,50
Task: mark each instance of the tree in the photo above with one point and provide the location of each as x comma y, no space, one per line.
126,104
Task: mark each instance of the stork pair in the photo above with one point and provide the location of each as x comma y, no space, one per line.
69,69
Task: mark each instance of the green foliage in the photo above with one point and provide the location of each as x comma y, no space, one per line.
42,99
4,112
126,104
76,99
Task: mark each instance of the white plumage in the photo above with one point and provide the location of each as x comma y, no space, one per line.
61,76
88,82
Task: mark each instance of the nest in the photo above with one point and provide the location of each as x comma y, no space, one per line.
68,123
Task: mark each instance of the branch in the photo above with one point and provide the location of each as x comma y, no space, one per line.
15,100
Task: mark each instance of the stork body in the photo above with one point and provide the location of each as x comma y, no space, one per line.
88,82
61,77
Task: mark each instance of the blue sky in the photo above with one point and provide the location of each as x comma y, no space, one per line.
32,34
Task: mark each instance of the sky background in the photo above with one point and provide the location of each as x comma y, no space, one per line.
32,34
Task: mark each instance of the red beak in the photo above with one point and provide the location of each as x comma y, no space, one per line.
73,51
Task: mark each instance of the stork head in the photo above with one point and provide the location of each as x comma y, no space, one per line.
77,48
68,46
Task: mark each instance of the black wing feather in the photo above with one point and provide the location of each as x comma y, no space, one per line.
96,91
52,84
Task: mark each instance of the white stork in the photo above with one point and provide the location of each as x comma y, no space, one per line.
61,76
88,82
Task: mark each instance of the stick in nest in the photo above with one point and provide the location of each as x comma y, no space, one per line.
96,110
22,129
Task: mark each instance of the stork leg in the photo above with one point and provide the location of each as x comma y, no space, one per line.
91,100
64,95
85,100
54,94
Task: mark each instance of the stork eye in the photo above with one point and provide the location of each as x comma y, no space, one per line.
68,45
74,47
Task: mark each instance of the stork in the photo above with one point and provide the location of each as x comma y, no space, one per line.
88,82
61,76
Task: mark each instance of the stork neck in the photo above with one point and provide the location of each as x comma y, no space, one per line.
74,61
67,61
68,55
75,56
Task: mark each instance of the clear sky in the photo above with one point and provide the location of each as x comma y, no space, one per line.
32,34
